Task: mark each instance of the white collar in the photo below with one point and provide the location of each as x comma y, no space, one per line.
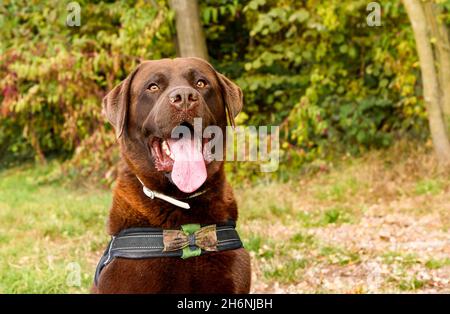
171,200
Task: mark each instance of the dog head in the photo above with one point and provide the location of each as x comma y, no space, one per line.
160,113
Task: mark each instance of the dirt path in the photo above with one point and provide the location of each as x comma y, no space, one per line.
364,228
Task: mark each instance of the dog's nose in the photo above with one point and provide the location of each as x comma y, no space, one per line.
183,98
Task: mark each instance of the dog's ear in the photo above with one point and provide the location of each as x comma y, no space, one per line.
116,102
232,97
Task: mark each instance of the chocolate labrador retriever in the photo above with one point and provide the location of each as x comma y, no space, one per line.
152,249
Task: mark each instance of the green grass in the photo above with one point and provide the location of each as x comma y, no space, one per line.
411,284
301,238
253,243
334,215
339,190
400,258
428,187
437,263
44,228
287,272
338,255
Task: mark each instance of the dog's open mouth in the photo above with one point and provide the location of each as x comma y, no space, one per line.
184,158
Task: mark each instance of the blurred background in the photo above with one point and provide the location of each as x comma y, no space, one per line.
360,90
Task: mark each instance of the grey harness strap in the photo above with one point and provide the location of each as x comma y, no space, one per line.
139,243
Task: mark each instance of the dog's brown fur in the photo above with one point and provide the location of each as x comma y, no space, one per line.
137,115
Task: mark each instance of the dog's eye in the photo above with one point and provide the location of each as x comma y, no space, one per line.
201,83
153,87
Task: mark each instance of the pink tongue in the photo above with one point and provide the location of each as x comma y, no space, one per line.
189,170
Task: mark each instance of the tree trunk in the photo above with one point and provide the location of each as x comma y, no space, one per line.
430,80
34,142
440,34
190,38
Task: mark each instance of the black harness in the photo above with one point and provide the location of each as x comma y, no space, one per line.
139,243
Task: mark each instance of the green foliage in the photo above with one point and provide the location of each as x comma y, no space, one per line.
331,82
315,68
54,76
